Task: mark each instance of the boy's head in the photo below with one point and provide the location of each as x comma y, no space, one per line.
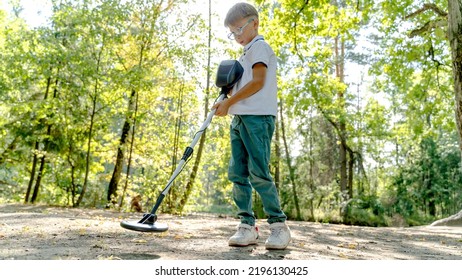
242,20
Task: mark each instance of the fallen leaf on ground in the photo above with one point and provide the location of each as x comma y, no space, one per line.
140,241
352,246
343,256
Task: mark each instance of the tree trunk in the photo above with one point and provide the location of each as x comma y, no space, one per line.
339,72
351,163
37,145
130,154
289,164
39,180
42,166
172,198
192,176
88,154
114,183
32,173
90,131
46,144
311,168
455,42
74,186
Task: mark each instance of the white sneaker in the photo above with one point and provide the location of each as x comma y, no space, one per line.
245,235
279,237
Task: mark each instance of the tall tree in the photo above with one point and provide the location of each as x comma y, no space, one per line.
200,149
455,41
145,18
289,162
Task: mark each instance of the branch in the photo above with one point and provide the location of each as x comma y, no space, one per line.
295,27
344,142
427,27
430,25
334,124
427,7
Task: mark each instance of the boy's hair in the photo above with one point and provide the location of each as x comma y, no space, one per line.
240,11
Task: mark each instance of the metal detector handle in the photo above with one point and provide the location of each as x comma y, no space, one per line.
223,95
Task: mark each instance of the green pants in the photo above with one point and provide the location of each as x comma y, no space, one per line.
249,167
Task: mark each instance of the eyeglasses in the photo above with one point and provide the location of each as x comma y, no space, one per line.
239,31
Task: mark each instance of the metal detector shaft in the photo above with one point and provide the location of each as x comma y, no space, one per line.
186,155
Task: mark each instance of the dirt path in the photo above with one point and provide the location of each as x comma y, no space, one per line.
49,233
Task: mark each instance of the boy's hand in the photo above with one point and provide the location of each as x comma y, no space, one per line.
222,108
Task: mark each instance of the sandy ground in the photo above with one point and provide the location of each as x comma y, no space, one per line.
37,232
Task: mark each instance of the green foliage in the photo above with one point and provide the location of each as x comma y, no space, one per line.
430,184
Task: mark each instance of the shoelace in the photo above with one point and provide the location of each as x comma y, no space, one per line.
242,230
276,232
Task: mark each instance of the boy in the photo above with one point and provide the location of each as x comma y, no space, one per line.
253,102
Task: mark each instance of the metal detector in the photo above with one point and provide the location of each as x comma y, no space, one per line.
228,74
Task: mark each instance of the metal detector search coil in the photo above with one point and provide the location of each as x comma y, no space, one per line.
228,74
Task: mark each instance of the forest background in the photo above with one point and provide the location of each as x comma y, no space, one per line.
100,100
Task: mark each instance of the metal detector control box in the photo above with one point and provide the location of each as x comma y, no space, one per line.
228,74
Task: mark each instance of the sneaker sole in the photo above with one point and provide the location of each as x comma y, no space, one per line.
232,244
241,245
275,247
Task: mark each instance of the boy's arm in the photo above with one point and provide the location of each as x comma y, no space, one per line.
252,87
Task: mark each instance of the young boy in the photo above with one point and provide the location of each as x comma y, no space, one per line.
253,102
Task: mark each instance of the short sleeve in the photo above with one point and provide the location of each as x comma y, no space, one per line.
259,53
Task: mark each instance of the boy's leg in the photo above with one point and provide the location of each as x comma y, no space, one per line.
257,139
256,134
238,174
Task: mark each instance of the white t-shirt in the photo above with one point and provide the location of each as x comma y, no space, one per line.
263,102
